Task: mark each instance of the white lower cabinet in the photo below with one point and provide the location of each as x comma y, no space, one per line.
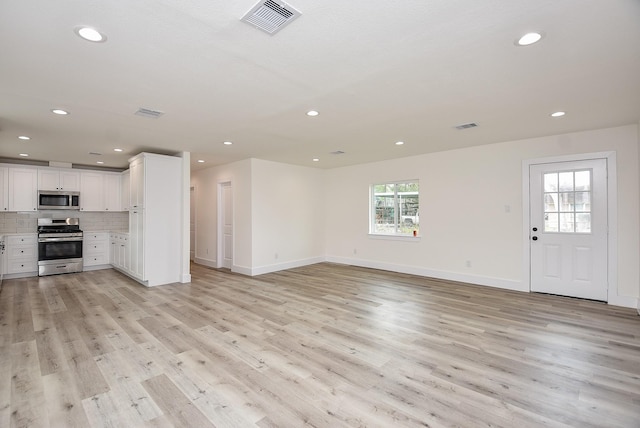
95,249
22,254
119,251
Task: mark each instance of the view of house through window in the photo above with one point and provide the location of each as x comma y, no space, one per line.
567,202
395,208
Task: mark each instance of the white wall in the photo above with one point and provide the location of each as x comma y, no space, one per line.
288,216
464,198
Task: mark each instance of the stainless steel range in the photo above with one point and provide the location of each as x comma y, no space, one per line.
59,246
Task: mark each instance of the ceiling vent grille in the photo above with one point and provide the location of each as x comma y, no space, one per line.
270,16
145,112
337,152
466,126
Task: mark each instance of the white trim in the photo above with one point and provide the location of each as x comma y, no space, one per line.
206,262
612,214
507,284
278,267
624,301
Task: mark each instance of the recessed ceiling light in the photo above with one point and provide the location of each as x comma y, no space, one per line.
227,143
200,161
117,150
90,34
399,143
312,113
100,162
24,155
59,111
23,137
558,114
529,39
316,160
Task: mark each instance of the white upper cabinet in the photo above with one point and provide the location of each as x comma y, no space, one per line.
23,189
112,189
91,191
100,191
58,179
125,191
4,188
136,183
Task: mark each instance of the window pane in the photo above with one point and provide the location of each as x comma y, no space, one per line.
551,222
583,223
551,202
566,201
583,180
566,222
583,201
396,208
551,182
565,181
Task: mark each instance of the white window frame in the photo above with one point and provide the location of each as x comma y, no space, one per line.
397,213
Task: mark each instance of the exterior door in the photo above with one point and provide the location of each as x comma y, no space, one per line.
568,230
226,222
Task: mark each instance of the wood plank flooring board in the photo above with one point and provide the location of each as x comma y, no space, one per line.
22,322
86,374
64,407
28,404
50,351
179,409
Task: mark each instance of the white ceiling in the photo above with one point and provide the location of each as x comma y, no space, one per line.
377,71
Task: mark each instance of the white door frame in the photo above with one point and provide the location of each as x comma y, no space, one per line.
612,214
220,228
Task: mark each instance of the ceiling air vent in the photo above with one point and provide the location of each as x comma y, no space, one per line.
270,16
337,152
145,112
466,126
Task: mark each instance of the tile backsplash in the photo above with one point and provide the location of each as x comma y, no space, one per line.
27,222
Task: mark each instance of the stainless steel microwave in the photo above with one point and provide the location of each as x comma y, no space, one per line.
58,200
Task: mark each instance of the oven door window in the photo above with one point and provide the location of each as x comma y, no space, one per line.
59,250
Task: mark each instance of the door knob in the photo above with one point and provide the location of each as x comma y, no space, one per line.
535,238
535,229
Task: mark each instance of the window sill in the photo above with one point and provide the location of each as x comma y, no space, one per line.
405,238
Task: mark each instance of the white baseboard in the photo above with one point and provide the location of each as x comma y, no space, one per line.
206,262
282,266
507,284
185,278
624,301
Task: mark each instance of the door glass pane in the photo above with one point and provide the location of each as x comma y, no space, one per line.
566,201
565,181
551,222
566,222
583,180
551,182
583,222
551,202
583,201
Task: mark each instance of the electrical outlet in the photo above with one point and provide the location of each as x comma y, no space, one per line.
355,251
275,256
468,263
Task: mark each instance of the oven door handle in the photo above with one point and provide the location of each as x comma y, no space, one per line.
72,238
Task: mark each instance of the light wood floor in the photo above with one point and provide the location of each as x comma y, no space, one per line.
321,346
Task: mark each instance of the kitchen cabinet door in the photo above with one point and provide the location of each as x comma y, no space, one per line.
57,179
23,189
112,192
91,191
4,189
